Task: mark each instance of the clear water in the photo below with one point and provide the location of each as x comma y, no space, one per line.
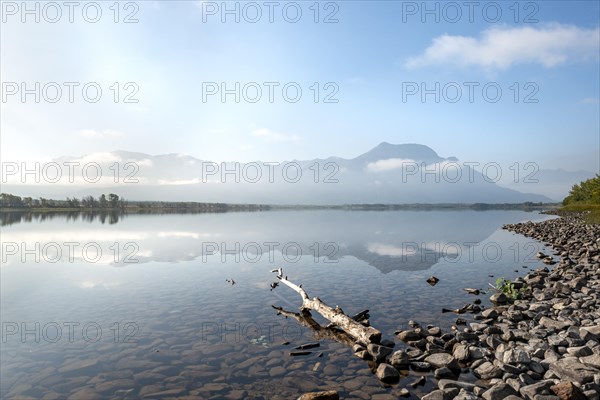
146,308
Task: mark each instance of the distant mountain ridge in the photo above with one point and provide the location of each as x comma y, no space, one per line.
388,173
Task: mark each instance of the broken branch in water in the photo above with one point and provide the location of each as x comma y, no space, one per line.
320,332
360,333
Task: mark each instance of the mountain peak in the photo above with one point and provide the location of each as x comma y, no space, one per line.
412,151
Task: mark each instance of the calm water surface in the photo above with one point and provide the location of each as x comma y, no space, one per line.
140,306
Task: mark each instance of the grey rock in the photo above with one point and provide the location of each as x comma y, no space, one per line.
499,391
580,351
399,359
464,395
590,332
461,352
378,352
446,394
440,360
530,391
325,395
444,373
499,298
514,383
550,356
420,366
387,373
515,356
537,367
448,383
489,313
487,370
553,324
591,395
593,360
409,336
571,369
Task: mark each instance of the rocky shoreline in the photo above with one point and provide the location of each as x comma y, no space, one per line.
543,346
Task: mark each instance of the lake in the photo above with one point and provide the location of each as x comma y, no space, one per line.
143,305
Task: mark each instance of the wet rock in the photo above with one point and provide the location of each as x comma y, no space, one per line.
79,367
461,352
409,336
464,395
490,313
420,381
434,331
399,359
378,352
420,366
325,395
446,394
448,383
236,394
276,371
165,393
444,373
85,394
109,387
499,298
440,360
357,347
432,280
387,373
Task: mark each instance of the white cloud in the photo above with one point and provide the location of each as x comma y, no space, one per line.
389,164
270,135
100,158
390,250
502,47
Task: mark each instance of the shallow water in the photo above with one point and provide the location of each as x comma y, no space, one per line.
141,307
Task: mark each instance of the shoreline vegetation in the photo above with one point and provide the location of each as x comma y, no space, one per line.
112,202
584,197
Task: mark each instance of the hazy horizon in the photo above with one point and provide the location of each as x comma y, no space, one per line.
505,84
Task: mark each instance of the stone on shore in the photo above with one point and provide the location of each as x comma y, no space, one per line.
388,374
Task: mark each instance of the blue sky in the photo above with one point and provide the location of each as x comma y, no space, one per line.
369,61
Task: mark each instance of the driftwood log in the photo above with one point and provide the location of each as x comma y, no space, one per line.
319,332
360,333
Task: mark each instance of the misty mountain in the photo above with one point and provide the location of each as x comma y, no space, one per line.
388,173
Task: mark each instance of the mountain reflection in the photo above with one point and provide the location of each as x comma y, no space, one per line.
386,240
